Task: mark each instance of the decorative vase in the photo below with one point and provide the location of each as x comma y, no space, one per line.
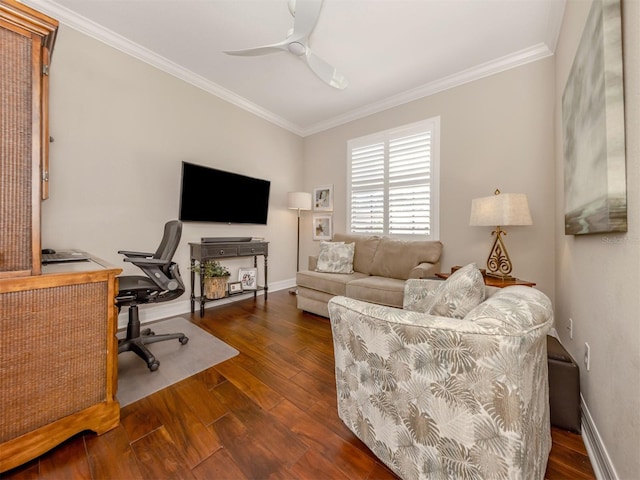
215,287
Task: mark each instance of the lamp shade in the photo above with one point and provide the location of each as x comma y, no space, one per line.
501,209
299,200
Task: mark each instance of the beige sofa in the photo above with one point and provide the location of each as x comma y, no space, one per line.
381,266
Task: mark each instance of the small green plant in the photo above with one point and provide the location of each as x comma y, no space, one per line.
213,268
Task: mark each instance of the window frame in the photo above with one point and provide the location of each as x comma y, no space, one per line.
431,125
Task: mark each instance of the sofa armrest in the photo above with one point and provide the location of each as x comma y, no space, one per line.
424,270
313,262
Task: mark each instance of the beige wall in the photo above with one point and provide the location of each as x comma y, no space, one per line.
598,276
121,130
495,133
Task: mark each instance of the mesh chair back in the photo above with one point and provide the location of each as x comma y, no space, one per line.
170,240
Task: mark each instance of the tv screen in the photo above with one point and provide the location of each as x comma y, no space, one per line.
211,195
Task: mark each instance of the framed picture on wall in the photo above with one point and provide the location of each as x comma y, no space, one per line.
323,198
322,229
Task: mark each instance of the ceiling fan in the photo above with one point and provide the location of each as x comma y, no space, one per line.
305,13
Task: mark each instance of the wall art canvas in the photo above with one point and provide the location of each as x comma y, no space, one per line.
593,126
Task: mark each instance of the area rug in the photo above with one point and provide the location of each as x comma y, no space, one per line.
177,361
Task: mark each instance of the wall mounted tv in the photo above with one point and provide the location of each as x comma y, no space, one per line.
211,195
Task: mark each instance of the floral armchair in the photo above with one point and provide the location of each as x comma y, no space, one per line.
447,398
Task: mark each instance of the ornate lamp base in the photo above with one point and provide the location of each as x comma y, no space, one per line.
498,263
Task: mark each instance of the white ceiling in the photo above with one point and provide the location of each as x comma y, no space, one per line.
391,51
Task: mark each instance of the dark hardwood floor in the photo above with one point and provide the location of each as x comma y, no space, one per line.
269,412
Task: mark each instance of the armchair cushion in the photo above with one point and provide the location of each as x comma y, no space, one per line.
335,257
456,296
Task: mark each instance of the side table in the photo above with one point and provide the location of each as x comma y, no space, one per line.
491,281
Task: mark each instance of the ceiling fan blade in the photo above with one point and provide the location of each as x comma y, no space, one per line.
306,16
325,71
265,50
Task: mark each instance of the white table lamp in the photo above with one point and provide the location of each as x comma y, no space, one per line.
500,209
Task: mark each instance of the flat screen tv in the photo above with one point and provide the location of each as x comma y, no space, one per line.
211,195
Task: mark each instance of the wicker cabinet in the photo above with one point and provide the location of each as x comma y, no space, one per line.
58,358
58,346
26,41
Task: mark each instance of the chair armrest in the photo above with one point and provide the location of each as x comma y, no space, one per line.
424,270
130,253
146,261
313,262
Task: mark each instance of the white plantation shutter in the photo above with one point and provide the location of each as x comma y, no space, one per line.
393,181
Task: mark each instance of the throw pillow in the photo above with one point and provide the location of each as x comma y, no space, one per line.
457,296
335,257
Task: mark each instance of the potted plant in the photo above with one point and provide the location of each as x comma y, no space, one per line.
215,278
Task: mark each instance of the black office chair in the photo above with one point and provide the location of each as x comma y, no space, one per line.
161,284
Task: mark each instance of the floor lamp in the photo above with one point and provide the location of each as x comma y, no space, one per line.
298,201
499,210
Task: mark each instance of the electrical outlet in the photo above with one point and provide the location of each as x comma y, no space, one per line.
570,328
587,356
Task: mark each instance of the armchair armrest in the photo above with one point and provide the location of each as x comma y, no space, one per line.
313,262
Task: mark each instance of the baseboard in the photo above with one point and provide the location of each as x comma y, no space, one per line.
600,460
160,311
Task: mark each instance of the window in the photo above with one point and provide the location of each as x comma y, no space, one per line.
393,181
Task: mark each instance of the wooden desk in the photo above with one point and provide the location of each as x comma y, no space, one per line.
58,357
491,281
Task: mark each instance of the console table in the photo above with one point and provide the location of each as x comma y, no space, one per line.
201,252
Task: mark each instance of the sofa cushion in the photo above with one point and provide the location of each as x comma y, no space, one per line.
334,283
335,257
380,290
396,258
365,250
458,295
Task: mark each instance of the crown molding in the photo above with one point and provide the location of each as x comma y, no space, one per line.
100,33
528,55
114,40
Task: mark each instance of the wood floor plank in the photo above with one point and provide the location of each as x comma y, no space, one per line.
192,438
158,457
220,465
111,456
351,461
69,460
269,413
264,396
314,466
206,406
252,458
139,419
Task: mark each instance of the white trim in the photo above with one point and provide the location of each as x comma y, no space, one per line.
108,37
429,124
600,460
528,55
102,34
160,311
